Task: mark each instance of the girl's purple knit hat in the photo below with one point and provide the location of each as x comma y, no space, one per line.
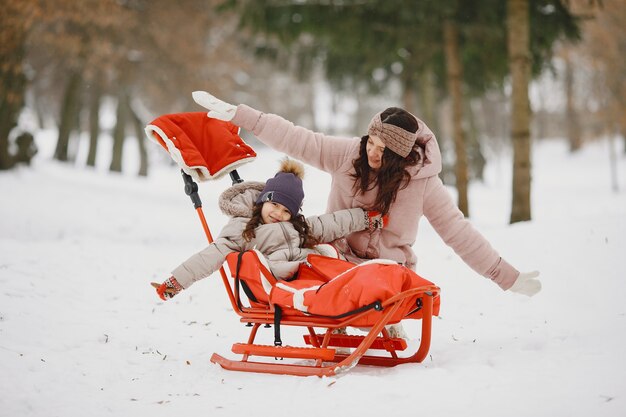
286,187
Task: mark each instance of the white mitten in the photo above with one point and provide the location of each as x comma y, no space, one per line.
218,109
527,284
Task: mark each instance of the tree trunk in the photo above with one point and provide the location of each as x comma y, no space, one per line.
454,74
94,121
7,122
622,128
428,101
476,159
519,61
12,89
119,132
77,128
408,91
571,117
69,112
141,142
613,161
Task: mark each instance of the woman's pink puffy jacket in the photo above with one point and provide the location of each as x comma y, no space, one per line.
425,195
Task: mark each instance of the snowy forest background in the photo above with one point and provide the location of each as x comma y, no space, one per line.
91,212
326,65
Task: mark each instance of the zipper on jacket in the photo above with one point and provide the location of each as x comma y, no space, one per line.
286,235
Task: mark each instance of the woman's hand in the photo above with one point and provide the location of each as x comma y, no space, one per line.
527,284
218,109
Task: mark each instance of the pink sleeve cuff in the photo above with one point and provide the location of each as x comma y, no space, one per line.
503,274
246,117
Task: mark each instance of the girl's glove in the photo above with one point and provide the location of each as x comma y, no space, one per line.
527,284
168,289
218,109
375,220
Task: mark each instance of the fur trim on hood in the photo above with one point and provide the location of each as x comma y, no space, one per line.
239,200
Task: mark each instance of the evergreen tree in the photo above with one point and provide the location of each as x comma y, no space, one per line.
400,41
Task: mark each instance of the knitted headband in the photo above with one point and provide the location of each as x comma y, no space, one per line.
400,141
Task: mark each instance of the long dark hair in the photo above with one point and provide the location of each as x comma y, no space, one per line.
392,176
298,221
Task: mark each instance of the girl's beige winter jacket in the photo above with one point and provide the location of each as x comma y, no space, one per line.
279,242
425,195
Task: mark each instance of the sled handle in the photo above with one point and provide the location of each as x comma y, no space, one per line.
234,177
191,189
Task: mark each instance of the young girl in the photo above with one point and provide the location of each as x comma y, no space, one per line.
266,217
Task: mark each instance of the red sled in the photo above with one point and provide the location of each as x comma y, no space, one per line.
327,294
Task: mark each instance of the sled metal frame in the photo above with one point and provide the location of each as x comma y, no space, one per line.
320,358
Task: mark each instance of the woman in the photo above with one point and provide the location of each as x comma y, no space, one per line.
394,170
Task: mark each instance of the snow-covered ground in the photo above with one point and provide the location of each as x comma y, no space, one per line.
82,333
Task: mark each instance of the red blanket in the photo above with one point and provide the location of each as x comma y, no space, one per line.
331,287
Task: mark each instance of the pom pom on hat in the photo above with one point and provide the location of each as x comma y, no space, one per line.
285,187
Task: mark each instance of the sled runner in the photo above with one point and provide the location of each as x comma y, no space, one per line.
327,294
